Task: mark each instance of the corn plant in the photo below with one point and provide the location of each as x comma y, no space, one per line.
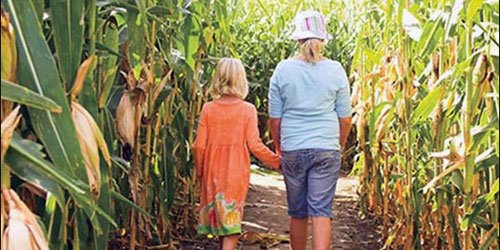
127,77
426,96
100,101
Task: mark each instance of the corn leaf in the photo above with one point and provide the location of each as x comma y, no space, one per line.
109,63
27,170
189,42
29,153
20,94
67,24
38,72
425,107
472,9
136,41
129,203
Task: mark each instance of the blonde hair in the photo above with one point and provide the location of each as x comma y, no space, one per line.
312,49
230,79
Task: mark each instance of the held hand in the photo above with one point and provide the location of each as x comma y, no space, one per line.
278,168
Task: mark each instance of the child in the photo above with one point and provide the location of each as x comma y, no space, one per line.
226,132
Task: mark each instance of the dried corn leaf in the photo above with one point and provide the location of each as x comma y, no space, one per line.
80,77
8,127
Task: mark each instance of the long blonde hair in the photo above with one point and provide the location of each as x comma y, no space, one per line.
312,49
230,79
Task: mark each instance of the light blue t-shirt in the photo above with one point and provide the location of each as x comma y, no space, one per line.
309,99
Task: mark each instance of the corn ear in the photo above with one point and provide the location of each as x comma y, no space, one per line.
8,127
479,76
126,119
480,71
23,231
9,58
9,52
90,139
3,214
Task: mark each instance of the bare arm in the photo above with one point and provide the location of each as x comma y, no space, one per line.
344,109
345,124
275,127
256,146
200,143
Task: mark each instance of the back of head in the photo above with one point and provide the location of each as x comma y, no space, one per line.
310,32
230,79
312,50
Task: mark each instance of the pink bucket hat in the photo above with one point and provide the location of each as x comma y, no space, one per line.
310,24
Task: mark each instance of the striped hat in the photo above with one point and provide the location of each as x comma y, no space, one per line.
310,24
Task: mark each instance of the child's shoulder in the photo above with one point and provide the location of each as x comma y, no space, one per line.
249,106
212,104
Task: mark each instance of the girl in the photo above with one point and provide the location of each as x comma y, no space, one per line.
227,130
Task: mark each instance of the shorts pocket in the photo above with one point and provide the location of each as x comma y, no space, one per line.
290,163
327,162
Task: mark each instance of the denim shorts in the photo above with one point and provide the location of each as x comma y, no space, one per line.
311,178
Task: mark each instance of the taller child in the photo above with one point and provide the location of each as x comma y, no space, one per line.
310,110
227,130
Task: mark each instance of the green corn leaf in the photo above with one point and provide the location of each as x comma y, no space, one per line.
31,156
20,94
432,34
29,169
30,153
109,65
105,203
472,9
490,197
38,72
68,25
136,41
427,105
478,206
189,42
489,241
129,203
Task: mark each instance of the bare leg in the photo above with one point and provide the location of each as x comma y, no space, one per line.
298,233
321,228
228,242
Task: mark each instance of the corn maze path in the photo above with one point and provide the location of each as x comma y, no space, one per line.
266,213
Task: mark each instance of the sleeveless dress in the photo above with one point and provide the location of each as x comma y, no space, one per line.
226,133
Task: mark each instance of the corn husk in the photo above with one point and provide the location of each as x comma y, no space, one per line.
88,133
130,108
126,120
9,52
8,127
23,231
90,139
382,122
9,58
80,77
480,71
3,214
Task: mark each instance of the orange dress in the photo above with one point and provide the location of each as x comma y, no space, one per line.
226,133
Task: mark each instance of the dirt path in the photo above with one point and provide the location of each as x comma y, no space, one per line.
265,211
